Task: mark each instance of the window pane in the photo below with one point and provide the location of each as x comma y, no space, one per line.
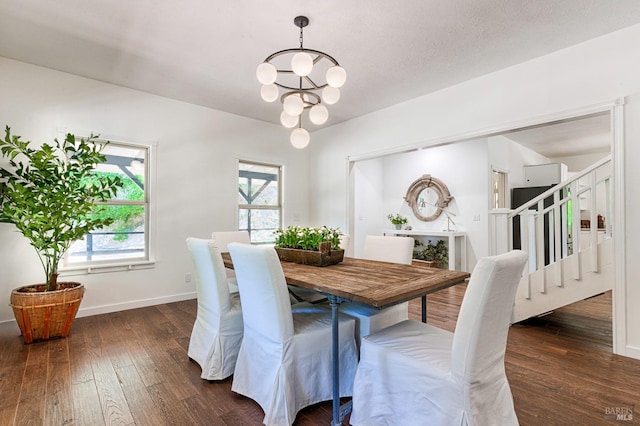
258,184
265,192
123,239
243,190
129,163
263,224
243,222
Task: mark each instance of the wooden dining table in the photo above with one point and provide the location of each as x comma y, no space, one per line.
369,282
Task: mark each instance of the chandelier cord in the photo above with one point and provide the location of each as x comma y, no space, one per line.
300,79
301,37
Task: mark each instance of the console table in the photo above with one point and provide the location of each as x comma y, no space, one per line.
456,241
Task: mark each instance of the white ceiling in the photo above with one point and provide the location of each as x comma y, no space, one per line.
205,51
587,135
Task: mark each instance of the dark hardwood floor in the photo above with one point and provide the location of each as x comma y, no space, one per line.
131,367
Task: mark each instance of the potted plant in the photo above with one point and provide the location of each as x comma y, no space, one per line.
437,254
309,246
397,220
49,194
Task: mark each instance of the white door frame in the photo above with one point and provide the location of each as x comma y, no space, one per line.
616,110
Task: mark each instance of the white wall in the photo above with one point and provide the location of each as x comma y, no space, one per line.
368,183
464,168
507,155
591,73
197,152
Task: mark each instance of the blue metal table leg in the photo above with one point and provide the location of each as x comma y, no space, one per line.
334,303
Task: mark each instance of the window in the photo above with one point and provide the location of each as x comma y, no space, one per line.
127,238
498,189
259,200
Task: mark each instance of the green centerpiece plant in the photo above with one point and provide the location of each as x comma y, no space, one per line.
310,246
297,237
49,193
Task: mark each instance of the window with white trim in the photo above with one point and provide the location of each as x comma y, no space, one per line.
499,189
259,200
127,238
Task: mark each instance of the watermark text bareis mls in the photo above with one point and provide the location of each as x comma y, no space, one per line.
619,413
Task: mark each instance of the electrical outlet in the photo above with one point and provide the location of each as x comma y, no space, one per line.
476,217
188,277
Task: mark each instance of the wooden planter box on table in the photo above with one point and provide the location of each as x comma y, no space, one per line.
323,257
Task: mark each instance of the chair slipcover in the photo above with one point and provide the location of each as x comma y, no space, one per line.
370,319
416,374
388,249
285,361
344,243
222,239
217,331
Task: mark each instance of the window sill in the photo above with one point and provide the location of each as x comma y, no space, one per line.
104,268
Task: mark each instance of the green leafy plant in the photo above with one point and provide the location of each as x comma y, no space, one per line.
397,219
307,238
438,252
49,194
125,217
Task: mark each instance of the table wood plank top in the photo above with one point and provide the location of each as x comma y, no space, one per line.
374,283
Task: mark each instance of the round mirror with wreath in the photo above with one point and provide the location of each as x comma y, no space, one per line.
427,196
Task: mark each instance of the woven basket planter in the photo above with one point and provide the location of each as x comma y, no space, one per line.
323,257
43,315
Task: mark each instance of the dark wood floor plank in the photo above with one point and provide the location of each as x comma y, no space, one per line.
200,409
59,397
87,407
13,357
173,411
114,405
31,403
142,407
158,340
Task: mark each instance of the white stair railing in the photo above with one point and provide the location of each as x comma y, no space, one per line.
555,235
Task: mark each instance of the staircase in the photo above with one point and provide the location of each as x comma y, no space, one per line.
569,242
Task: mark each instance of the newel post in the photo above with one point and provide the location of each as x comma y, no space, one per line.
499,231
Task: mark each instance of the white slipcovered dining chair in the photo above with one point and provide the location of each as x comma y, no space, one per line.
222,239
345,239
369,319
285,361
415,374
217,331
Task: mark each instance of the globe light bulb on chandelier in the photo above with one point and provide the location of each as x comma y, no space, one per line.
289,121
293,104
300,138
318,114
269,92
309,79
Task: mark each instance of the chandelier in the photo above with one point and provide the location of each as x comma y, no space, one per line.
309,80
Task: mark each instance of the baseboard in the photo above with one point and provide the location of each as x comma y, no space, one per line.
632,352
142,303
117,307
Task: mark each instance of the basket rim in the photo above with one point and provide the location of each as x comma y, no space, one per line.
75,287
